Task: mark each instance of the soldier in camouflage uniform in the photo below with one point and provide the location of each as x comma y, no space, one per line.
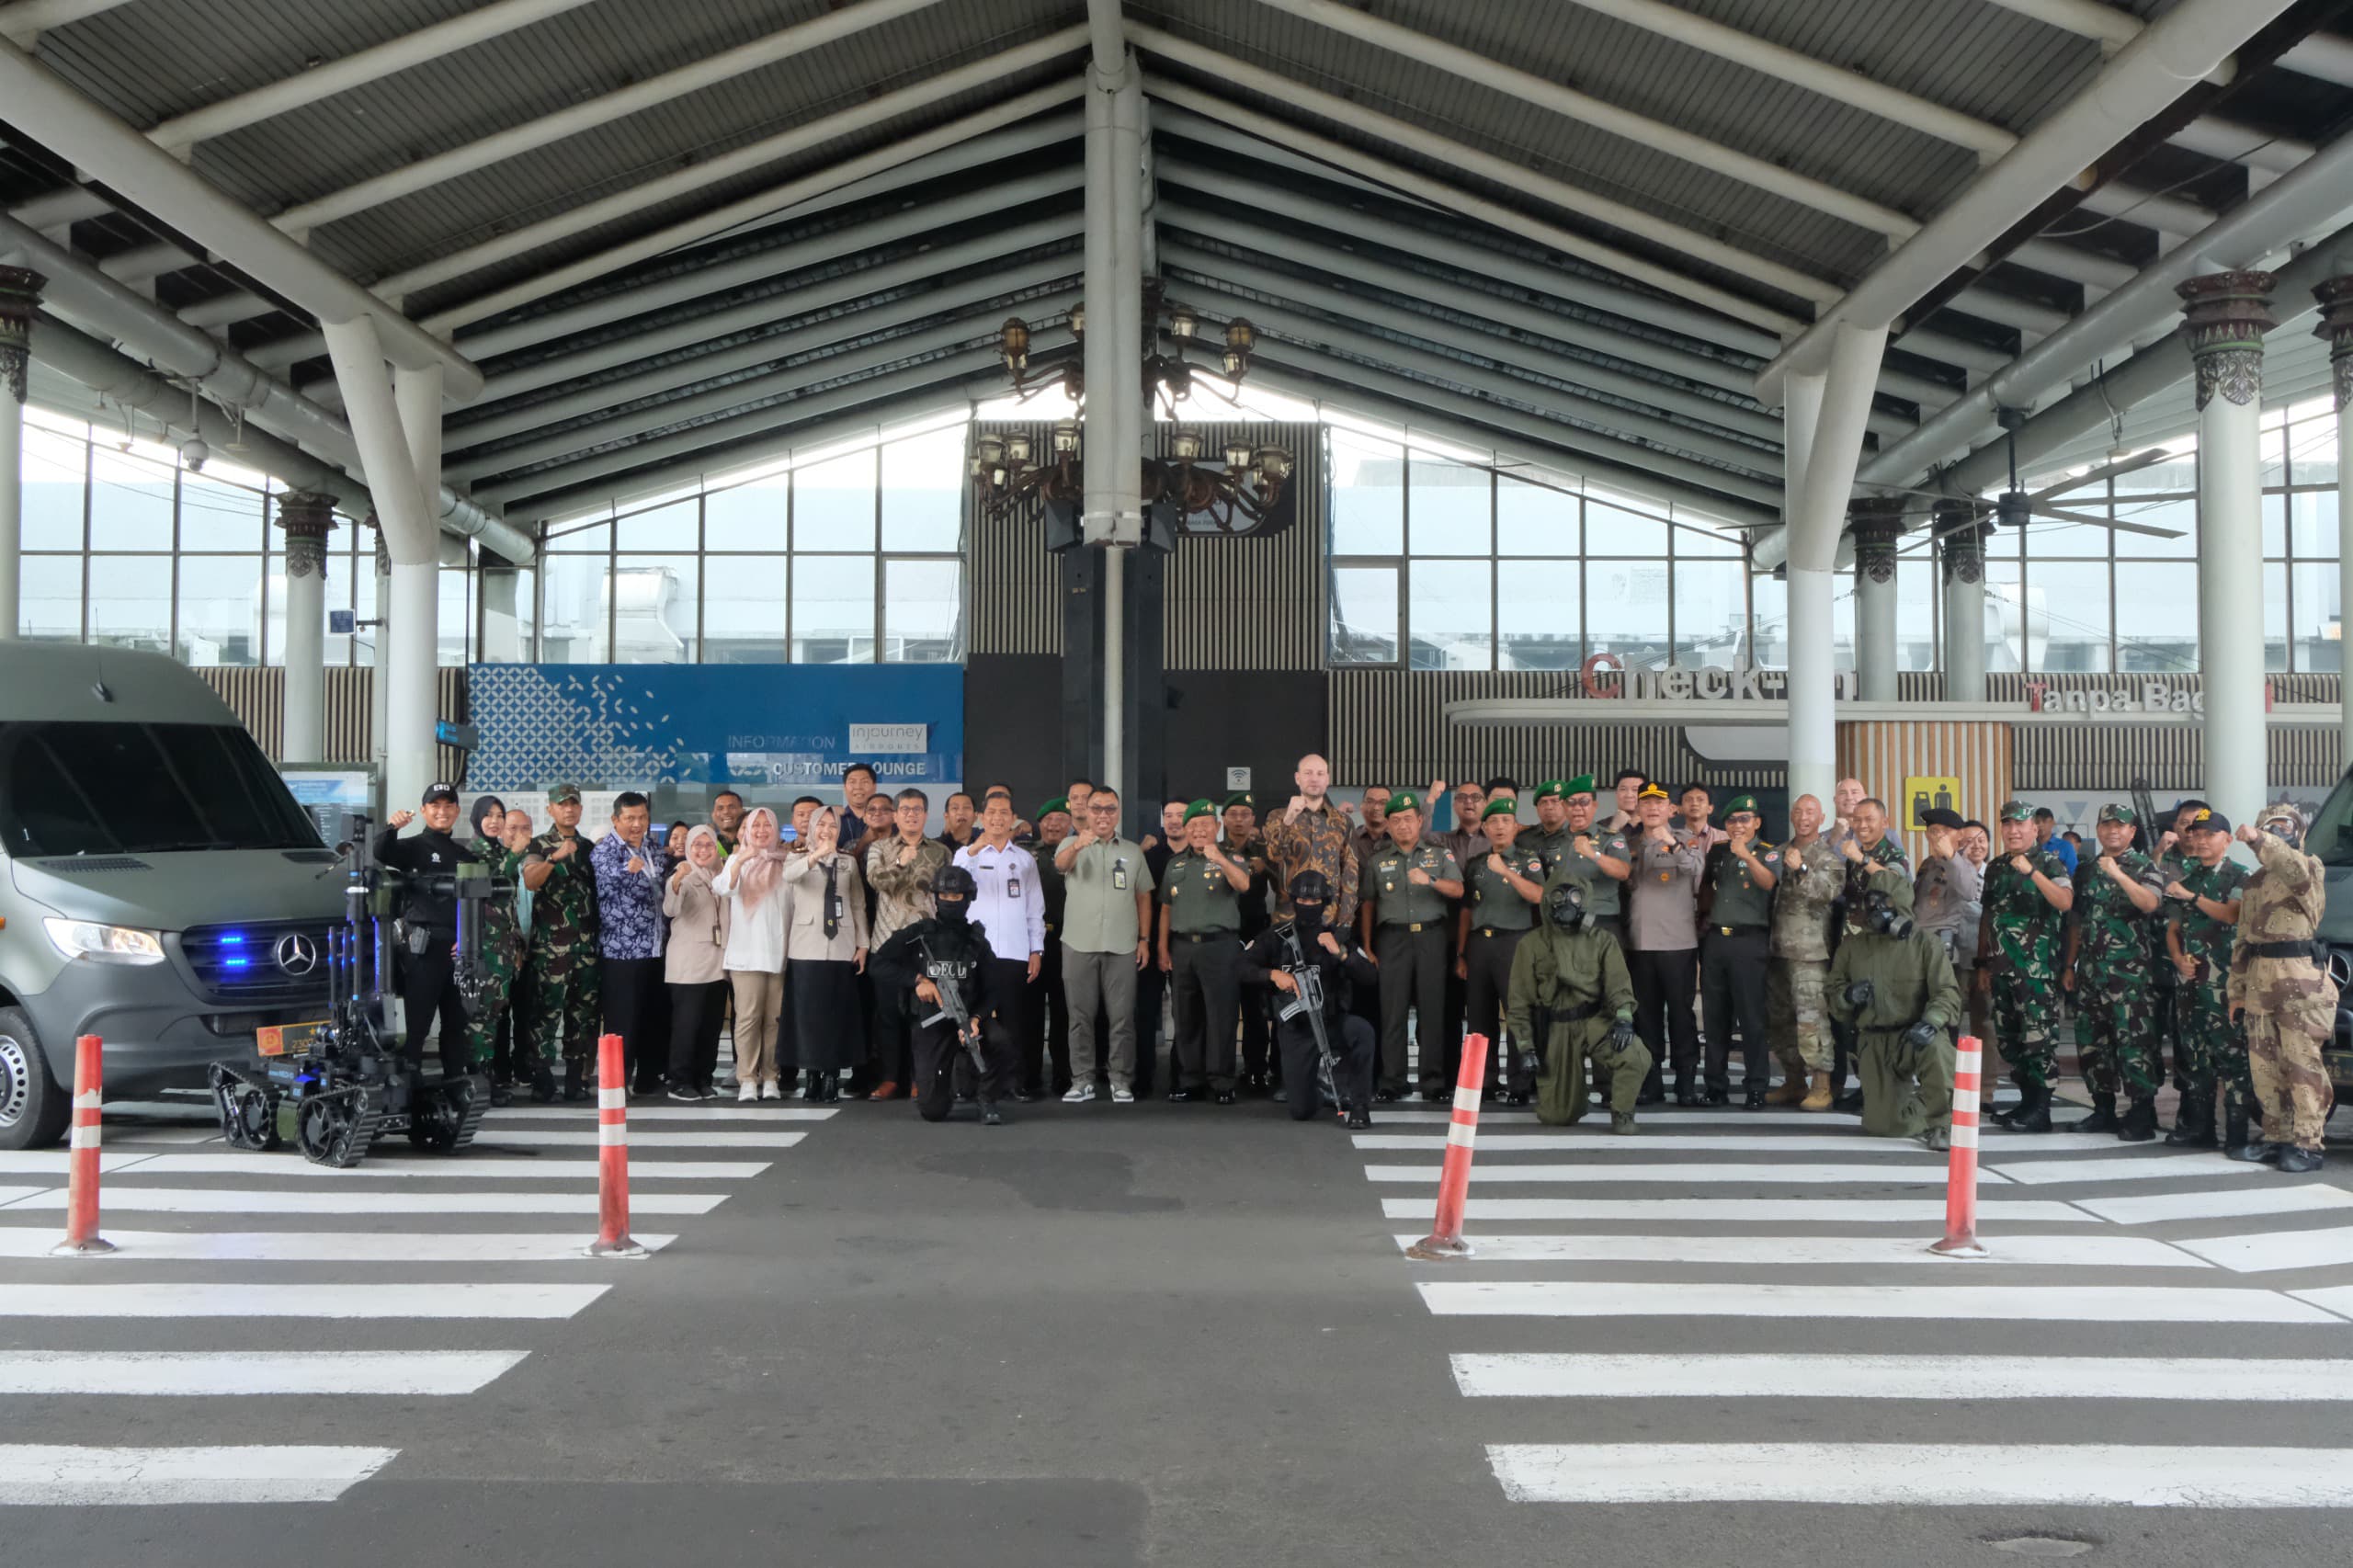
2170,850
1808,882
2026,900
2202,912
503,943
2110,970
560,975
2280,991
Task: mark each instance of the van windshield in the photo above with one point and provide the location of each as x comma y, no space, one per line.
2330,838
131,788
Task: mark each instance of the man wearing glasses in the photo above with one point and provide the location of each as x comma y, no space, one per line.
1107,910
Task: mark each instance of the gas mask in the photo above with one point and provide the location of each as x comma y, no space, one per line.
1564,907
1882,918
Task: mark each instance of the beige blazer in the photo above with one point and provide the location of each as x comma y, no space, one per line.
699,919
804,933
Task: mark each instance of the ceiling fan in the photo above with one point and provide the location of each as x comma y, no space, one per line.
2014,508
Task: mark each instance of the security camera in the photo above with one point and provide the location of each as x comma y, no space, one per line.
193,452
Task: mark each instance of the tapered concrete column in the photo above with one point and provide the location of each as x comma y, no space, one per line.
1876,523
19,298
1962,548
380,677
308,518
502,626
2226,315
2336,297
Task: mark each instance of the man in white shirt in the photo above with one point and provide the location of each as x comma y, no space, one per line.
1011,908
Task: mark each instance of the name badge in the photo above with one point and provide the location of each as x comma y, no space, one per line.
1013,887
1120,875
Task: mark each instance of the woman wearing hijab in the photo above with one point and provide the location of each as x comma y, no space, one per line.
752,881
826,943
694,965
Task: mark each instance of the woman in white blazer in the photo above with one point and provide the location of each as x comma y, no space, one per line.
753,884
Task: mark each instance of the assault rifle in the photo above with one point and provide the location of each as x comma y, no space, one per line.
1308,1000
948,978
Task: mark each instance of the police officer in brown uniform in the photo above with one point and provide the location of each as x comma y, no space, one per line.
1501,890
1401,915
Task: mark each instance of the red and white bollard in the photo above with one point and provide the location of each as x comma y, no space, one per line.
81,1238
1960,1182
612,1154
1445,1240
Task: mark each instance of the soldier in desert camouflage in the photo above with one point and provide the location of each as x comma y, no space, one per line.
2280,990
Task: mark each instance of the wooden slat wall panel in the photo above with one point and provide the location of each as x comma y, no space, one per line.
259,699
1883,753
1017,582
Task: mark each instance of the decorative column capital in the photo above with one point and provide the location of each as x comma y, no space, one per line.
19,299
1877,522
2224,316
1962,526
2336,329
383,550
308,516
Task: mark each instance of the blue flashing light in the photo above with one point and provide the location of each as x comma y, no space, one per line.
236,963
233,939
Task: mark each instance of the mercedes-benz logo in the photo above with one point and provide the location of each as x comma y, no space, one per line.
297,955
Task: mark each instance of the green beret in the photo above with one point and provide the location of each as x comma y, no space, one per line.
1551,790
1741,803
1581,785
1058,803
1405,801
1239,798
1503,806
1202,808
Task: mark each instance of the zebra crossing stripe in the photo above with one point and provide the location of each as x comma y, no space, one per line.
1836,1375
1744,1210
39,1474
1503,1174
1926,1474
711,1110
2123,1165
181,1301
2266,1252
52,1161
1988,1303
2232,1204
234,1373
2085,1252
568,1137
319,1246
356,1200
10,1194
1601,1142
441,1168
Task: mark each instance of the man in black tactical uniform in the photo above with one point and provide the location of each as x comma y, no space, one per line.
1269,959
427,951
952,938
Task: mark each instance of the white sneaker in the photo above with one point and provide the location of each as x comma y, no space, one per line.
1080,1093
1122,1095
770,1092
746,1090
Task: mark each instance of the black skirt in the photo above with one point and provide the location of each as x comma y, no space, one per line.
828,1032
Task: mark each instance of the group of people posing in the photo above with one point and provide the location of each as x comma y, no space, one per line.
1595,951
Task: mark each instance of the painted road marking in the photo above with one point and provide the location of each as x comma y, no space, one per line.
175,1301
1838,1375
445,1168
1685,1175
1989,1304
46,1475
1924,1475
1602,1141
2122,1166
354,1200
2267,1251
1745,1211
2236,1203
235,1373
2078,1251
757,1111
509,1133
319,1246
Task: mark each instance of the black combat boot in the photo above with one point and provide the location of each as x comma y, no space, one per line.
2238,1143
2295,1158
2102,1118
501,1096
543,1084
575,1084
1756,1093
2140,1124
2193,1124
2032,1113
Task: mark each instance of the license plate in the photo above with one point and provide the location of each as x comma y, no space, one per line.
286,1040
2340,1067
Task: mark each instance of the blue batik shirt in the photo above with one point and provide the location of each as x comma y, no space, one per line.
628,903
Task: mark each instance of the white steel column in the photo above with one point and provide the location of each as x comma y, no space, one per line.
380,675
1098,364
502,626
19,298
2336,297
1962,551
2226,314
1878,523
1823,481
307,517
391,456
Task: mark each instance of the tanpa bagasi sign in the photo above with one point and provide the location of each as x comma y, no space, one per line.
2153,697
1606,676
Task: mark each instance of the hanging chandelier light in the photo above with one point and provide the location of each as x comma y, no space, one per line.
1007,471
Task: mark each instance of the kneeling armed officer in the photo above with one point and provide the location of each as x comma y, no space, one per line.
1572,1001
945,962
1277,955
1893,985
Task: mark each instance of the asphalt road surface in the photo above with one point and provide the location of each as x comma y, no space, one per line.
1177,1335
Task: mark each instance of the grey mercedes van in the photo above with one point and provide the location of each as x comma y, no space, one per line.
159,887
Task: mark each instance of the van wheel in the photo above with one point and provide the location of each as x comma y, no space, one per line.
33,1109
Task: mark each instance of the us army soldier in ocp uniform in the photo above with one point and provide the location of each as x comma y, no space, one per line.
1809,878
2026,898
2281,992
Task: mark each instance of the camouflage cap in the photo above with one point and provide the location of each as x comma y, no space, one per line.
2017,810
2282,810
2122,814
564,794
